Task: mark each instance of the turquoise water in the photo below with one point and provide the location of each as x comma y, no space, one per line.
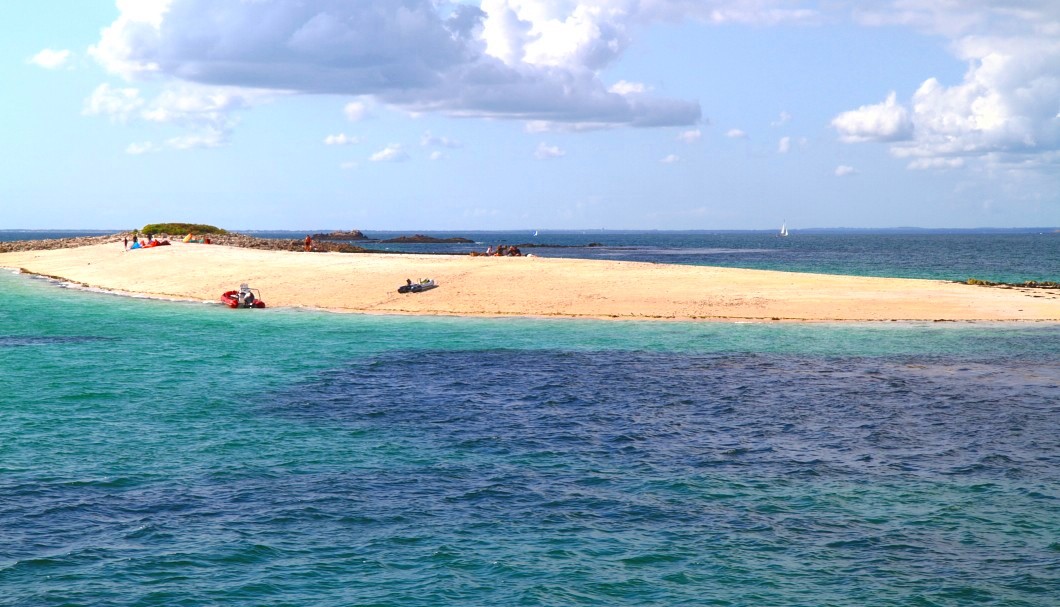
164,453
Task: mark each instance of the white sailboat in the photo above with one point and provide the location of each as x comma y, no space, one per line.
783,229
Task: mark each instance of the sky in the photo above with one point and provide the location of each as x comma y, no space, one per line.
520,114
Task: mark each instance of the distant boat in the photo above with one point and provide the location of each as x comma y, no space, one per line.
535,232
783,229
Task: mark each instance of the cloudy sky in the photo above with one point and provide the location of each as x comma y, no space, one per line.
530,114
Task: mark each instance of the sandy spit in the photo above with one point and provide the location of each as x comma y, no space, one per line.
527,286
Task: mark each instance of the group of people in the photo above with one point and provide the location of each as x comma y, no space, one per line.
145,243
502,251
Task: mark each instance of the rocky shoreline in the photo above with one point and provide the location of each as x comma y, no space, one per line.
231,239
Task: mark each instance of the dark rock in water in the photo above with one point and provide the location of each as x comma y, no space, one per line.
543,245
350,235
421,239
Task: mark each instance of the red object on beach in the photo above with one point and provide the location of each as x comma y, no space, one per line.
232,300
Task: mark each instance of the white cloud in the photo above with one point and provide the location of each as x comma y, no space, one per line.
51,59
885,121
923,164
209,114
844,170
783,119
690,136
429,140
341,139
735,134
436,155
628,88
509,59
784,145
545,151
391,153
194,105
118,104
1005,108
355,111
670,159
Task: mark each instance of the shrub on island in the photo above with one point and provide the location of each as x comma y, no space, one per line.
181,228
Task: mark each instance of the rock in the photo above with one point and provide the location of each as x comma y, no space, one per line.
421,239
351,235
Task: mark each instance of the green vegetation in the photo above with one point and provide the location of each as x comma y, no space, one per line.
1032,284
181,228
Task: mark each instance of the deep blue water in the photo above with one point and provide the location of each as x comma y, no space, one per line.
1005,256
161,453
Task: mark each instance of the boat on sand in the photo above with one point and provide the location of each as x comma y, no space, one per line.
424,284
245,297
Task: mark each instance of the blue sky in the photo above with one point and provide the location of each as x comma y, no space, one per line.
512,114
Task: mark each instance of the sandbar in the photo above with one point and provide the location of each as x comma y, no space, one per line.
527,286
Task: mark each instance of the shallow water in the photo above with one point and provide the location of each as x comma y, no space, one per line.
162,453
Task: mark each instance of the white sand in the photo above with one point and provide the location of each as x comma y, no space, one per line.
527,286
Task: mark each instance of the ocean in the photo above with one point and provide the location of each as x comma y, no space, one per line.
173,453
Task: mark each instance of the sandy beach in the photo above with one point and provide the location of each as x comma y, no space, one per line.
527,286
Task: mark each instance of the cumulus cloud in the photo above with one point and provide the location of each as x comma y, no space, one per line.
391,153
509,59
690,136
51,59
887,121
545,151
341,139
735,134
783,119
845,170
1004,109
784,145
670,159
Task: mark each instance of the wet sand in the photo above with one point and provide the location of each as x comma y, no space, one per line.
527,286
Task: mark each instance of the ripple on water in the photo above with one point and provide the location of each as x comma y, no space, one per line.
556,477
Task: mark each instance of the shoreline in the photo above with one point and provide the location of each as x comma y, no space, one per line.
542,287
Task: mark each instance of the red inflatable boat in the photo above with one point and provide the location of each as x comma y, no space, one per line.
245,297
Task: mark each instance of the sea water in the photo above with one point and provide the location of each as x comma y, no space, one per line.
169,453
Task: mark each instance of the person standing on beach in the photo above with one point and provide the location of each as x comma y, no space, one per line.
126,242
308,243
